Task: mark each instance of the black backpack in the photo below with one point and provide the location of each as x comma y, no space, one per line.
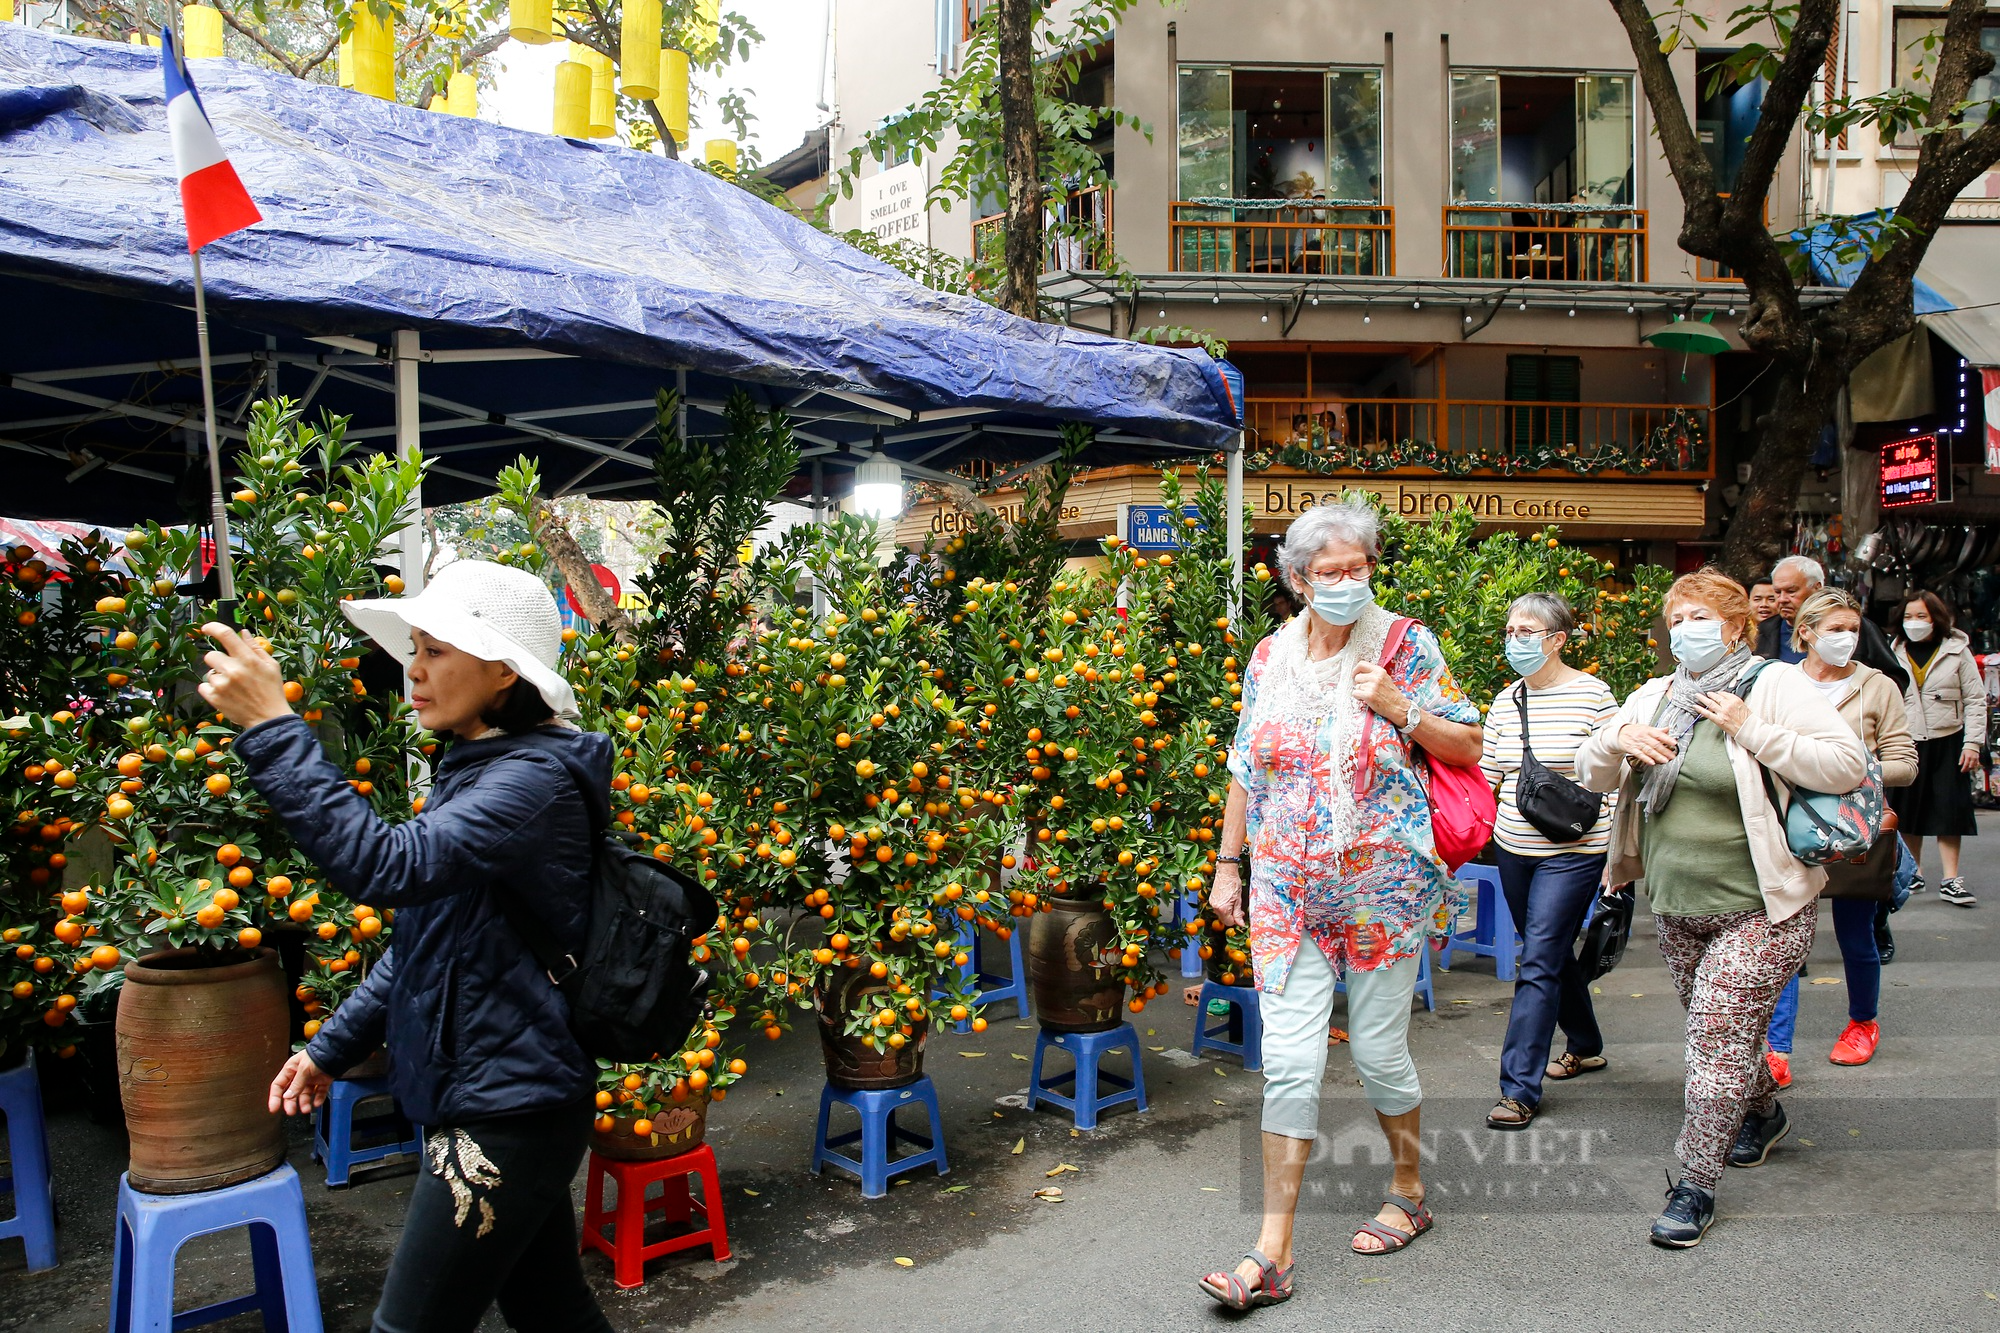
635,993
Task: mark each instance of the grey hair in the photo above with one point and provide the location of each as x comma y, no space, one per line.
1341,520
1812,569
1551,611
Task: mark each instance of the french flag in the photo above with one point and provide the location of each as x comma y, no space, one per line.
212,195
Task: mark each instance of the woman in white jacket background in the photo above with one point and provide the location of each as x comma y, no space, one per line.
1947,705
1687,754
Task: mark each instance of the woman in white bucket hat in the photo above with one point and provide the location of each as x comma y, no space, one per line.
479,1043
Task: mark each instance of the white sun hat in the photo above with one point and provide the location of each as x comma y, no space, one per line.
489,611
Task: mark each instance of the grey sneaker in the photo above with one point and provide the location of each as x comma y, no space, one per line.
1954,892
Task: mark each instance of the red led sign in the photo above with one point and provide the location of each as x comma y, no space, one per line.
1910,472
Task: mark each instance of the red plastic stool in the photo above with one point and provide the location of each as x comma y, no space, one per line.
627,1216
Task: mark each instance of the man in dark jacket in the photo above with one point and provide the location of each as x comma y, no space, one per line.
1797,578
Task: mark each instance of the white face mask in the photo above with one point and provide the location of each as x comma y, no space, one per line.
1837,649
1916,631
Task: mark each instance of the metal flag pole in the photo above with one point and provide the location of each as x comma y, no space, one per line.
218,507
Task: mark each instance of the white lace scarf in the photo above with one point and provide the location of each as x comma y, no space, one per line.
1298,691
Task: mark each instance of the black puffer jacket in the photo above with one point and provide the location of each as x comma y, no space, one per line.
473,1026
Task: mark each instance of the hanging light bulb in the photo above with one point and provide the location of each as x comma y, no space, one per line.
1416,305
201,31
529,22
878,488
673,98
1315,300
572,118
603,97
639,49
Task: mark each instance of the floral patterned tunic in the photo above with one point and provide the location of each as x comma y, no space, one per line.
1376,899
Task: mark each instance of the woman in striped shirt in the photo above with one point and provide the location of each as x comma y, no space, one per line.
1549,885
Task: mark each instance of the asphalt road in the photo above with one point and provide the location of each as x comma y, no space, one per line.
1883,1207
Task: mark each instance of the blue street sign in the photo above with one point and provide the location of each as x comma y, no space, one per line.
1152,527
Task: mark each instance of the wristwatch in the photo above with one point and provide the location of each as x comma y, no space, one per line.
1410,723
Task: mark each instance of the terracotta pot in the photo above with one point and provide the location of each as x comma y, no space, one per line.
1073,991
676,1130
850,1061
198,1045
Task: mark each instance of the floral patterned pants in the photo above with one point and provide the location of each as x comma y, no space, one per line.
1729,969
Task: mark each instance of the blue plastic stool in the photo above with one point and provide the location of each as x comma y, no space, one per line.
1086,1079
992,987
153,1227
1187,906
1492,934
334,1141
1423,986
879,1134
1240,1034
34,1219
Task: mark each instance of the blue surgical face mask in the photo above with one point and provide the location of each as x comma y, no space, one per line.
1527,655
1697,644
1342,603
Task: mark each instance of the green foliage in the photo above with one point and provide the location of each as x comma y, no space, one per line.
1207,339
713,494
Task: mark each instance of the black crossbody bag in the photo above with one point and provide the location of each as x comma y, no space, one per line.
1560,810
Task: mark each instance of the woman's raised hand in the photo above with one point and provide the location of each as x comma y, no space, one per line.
1646,745
243,682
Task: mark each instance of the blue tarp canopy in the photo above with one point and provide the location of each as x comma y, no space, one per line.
552,287
1836,254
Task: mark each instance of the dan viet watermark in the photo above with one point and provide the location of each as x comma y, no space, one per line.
1604,1155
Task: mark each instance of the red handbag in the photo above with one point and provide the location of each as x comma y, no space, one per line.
1463,806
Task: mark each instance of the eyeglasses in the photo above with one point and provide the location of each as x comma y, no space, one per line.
1526,634
1328,578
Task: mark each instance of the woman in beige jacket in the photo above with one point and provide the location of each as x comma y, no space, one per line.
1947,703
1828,626
1687,756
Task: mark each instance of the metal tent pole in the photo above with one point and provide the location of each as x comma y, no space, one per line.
1233,522
409,444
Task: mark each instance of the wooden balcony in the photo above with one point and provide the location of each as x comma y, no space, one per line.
1282,236
1461,437
1062,252
1545,243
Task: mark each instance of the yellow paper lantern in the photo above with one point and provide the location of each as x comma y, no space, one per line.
201,31
603,97
639,49
462,95
6,11
572,119
368,56
528,22
708,30
145,39
721,153
673,98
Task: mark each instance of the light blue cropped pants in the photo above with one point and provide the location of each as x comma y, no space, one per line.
1378,1035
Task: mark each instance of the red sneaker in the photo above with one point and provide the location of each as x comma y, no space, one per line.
1781,1067
1857,1045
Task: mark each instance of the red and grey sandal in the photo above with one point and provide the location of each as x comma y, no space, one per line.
1394,1238
1274,1284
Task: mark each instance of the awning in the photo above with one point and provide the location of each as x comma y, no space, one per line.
1963,266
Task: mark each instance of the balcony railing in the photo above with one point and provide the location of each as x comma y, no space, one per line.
1087,210
1463,436
1282,236
1545,242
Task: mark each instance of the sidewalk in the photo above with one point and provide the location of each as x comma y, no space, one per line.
1882,1202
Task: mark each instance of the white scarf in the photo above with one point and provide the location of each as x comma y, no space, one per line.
1298,691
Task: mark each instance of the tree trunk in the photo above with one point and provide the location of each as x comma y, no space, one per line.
1022,231
554,535
1760,533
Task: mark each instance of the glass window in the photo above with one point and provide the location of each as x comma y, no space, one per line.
1604,139
1917,36
1475,138
1206,133
1354,134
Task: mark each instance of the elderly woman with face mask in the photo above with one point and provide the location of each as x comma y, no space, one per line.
1327,800
1689,755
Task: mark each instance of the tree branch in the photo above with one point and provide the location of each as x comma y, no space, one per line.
297,67
1020,133
554,535
1678,140
1784,98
